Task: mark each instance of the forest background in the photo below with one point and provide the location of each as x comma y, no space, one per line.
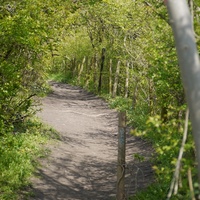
121,50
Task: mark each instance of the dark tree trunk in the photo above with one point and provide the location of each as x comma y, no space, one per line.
101,69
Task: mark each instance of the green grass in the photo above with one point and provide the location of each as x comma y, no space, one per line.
18,157
60,77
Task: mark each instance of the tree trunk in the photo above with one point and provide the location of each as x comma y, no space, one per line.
134,101
191,6
96,72
150,97
127,80
74,67
81,70
101,69
87,74
164,114
110,77
95,66
189,63
116,79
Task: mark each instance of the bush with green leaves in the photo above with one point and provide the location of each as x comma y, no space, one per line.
21,57
18,158
67,38
166,139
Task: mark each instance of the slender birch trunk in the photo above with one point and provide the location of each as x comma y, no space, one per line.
182,25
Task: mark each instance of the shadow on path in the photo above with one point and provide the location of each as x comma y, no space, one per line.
79,185
82,166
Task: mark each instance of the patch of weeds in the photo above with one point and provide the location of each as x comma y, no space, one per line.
120,103
61,77
18,155
166,139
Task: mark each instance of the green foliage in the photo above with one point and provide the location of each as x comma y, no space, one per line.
21,73
27,31
166,139
61,77
137,36
120,103
18,154
136,116
65,39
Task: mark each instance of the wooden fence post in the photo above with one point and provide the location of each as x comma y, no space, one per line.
81,70
101,68
127,80
116,79
121,157
95,67
74,66
110,77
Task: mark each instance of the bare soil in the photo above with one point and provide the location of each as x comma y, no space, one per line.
82,165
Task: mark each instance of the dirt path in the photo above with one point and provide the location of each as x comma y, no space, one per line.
82,166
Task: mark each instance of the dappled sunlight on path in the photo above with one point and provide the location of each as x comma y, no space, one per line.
82,165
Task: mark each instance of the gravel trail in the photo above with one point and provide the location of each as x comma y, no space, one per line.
82,165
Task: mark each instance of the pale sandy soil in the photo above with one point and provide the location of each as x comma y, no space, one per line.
82,165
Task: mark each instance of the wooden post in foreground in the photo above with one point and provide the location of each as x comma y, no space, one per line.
121,156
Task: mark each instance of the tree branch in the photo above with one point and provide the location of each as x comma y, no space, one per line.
175,180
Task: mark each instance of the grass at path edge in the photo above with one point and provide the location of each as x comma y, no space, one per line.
18,158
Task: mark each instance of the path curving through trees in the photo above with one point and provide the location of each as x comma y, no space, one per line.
82,165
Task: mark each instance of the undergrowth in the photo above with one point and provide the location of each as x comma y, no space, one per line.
60,77
18,158
166,138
